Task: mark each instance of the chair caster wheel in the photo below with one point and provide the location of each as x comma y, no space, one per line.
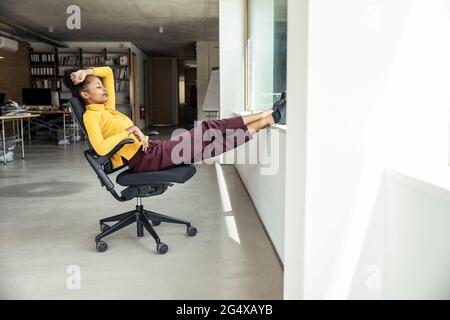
101,246
191,231
162,248
104,227
156,223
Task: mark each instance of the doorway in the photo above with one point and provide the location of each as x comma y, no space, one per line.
163,92
187,87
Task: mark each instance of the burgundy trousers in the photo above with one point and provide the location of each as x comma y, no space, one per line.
207,140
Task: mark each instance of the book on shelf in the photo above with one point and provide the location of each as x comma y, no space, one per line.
120,85
94,61
120,73
69,61
123,73
123,86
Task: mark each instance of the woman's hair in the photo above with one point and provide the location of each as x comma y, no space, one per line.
75,89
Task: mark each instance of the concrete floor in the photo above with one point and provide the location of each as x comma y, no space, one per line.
50,204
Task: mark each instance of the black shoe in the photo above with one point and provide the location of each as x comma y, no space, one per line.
279,113
280,100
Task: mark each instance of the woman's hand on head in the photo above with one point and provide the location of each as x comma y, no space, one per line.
78,77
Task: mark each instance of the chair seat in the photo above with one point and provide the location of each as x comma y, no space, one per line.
178,174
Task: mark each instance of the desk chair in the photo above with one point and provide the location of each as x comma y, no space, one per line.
138,185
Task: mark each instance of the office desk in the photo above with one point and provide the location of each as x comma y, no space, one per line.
14,119
50,125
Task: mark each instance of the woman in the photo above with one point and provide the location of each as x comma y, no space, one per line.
106,127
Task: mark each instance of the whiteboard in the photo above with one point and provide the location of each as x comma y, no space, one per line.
212,99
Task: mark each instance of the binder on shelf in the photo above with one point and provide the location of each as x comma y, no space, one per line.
42,58
43,71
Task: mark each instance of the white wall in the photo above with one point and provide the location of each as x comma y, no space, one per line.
264,179
405,251
377,102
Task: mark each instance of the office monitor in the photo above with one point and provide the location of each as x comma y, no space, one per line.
36,97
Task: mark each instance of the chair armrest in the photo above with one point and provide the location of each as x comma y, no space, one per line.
153,133
98,164
103,159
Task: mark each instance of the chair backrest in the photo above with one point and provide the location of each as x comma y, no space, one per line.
101,166
78,109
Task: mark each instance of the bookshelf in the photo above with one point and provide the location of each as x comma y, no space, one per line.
44,70
47,70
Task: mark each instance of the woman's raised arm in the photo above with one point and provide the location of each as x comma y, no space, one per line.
106,74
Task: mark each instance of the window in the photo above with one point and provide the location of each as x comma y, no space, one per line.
266,52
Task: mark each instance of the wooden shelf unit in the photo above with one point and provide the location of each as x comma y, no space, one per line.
47,69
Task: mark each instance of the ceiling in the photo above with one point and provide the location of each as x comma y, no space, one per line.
136,21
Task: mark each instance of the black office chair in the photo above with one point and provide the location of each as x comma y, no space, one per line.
138,185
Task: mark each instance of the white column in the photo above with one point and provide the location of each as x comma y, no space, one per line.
294,232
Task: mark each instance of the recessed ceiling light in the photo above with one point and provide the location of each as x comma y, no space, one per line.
2,58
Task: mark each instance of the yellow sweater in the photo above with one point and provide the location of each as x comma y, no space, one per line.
105,126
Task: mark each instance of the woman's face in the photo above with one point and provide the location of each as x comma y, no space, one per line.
94,91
